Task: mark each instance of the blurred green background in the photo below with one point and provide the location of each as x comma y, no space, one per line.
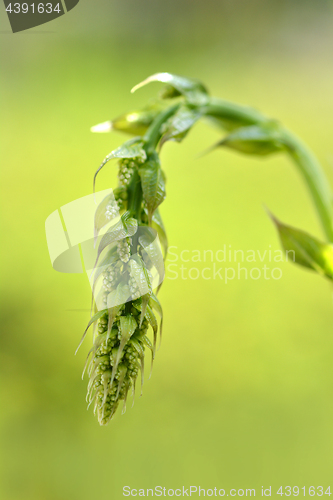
242,389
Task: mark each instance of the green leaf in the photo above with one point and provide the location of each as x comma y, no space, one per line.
257,139
144,304
137,122
153,183
155,304
194,91
130,149
127,226
118,297
146,341
157,223
306,250
127,326
100,215
115,301
228,124
178,126
153,323
109,259
139,274
152,248
93,319
138,347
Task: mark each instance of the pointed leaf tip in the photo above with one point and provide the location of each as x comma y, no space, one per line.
157,77
193,90
261,140
306,250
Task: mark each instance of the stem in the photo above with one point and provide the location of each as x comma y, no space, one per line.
307,163
150,139
135,196
154,134
315,179
218,108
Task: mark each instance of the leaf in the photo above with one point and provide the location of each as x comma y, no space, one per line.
153,323
137,122
93,319
110,258
178,126
119,296
145,340
155,304
306,250
153,184
100,215
157,223
130,149
152,248
139,274
194,91
257,139
127,226
138,347
115,301
144,304
127,326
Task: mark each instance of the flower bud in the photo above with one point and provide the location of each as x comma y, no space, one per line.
133,123
256,139
305,250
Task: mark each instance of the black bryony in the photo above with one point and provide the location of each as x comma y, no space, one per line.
129,264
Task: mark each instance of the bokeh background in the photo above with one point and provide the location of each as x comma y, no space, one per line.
242,389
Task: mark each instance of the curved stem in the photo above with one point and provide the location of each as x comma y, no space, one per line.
307,163
154,134
135,196
242,115
315,180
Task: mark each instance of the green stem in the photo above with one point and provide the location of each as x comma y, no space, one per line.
154,134
235,113
315,179
308,165
150,139
135,196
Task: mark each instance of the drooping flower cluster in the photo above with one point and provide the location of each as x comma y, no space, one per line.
115,362
127,298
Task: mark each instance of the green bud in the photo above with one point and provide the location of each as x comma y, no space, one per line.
169,92
259,140
305,250
137,122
